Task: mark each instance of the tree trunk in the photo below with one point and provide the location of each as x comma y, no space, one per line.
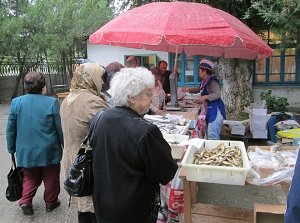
19,79
237,84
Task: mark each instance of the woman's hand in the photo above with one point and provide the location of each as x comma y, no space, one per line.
185,90
203,98
160,112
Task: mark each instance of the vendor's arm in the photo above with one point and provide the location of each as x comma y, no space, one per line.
192,90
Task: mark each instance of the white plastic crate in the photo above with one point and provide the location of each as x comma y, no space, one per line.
177,150
216,174
185,128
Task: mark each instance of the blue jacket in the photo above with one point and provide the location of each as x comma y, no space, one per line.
292,214
212,106
34,130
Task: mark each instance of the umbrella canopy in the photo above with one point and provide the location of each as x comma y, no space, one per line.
192,28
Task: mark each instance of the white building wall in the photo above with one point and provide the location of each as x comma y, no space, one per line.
105,54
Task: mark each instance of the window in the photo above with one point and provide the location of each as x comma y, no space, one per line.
187,67
283,68
145,60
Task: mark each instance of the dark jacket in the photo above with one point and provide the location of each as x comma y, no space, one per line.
131,159
166,82
34,130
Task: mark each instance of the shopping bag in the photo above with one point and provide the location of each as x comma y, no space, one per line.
15,180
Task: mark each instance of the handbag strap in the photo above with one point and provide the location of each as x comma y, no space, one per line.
92,127
13,161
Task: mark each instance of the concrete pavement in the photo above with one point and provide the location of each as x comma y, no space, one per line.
235,196
10,211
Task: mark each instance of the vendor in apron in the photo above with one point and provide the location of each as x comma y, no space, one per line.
212,110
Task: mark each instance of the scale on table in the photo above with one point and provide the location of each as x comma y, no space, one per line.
173,105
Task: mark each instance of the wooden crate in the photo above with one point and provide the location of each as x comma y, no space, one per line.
208,213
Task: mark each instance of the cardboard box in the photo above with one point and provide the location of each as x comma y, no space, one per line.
259,134
253,148
191,115
267,213
215,174
237,127
259,111
258,124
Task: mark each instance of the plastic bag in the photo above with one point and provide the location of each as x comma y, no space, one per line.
271,167
172,201
255,105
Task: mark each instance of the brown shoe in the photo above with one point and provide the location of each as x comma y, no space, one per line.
27,209
53,206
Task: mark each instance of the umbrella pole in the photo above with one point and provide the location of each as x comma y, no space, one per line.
173,87
175,63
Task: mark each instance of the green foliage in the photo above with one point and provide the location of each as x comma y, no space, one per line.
36,31
282,17
274,103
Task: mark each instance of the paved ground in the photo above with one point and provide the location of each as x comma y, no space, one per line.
226,195
9,211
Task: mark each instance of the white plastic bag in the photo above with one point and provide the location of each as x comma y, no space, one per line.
271,167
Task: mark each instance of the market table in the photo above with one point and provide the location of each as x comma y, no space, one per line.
189,114
61,96
202,212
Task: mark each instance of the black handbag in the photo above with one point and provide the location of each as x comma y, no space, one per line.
15,180
79,181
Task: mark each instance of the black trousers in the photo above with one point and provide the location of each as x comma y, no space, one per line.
86,217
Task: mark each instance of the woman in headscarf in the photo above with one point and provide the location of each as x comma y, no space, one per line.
77,110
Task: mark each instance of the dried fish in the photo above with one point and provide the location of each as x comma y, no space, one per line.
219,156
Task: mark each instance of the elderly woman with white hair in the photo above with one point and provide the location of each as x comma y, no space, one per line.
130,156
77,111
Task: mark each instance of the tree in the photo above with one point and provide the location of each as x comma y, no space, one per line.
36,31
282,16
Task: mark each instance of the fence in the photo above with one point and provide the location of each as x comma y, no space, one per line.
57,79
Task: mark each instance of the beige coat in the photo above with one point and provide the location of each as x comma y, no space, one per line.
76,112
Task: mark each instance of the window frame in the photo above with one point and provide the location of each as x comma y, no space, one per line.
140,58
182,82
282,73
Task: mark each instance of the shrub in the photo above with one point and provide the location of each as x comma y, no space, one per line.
274,103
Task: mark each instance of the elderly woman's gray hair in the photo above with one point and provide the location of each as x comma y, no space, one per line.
130,82
34,82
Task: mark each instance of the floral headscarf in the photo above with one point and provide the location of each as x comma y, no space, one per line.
86,77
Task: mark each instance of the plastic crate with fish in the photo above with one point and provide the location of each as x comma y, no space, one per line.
217,161
174,140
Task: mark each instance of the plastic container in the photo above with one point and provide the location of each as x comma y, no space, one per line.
177,150
216,174
185,128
